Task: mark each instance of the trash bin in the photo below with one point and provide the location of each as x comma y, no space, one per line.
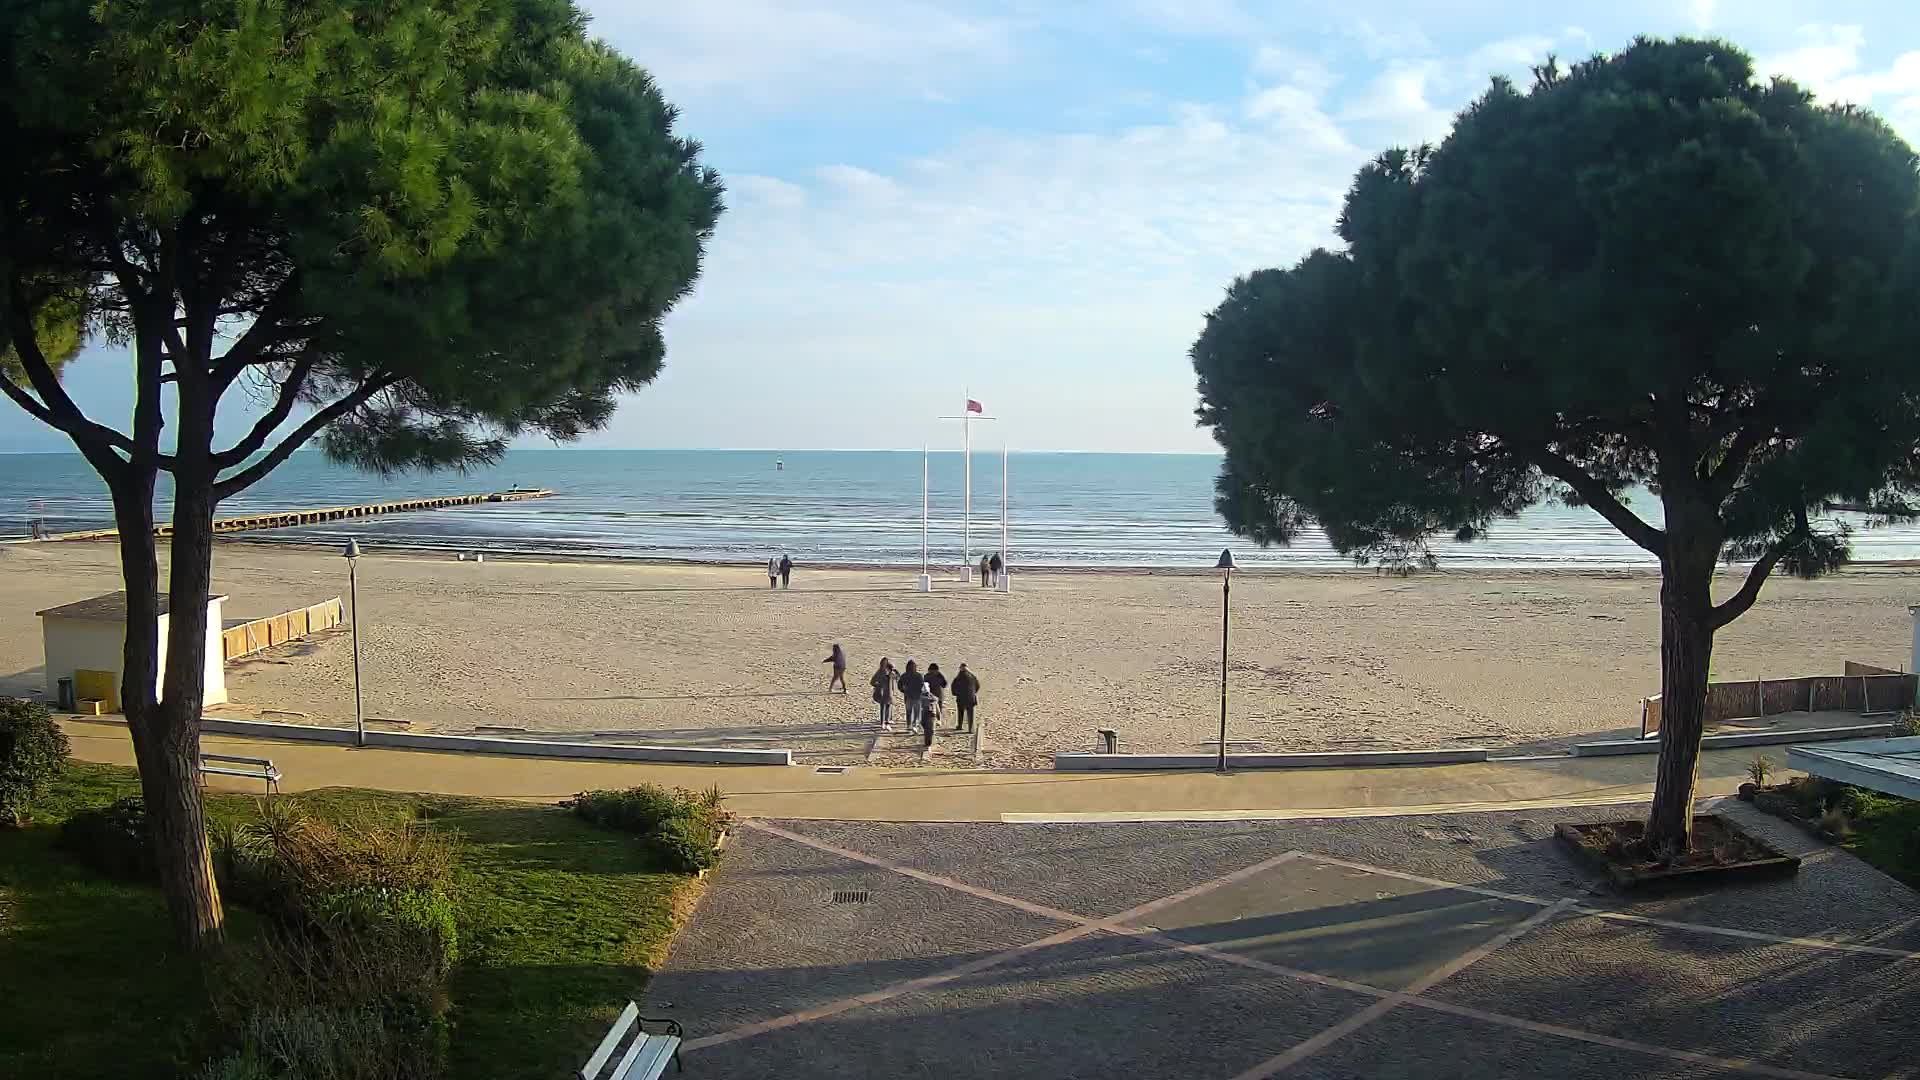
63,695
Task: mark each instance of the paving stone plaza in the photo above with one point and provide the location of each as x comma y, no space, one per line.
1464,945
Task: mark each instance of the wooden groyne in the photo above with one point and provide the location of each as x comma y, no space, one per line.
287,519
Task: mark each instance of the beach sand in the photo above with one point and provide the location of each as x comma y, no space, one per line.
702,654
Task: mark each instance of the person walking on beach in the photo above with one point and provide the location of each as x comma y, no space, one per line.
838,658
773,572
883,692
994,566
912,685
984,571
936,696
786,571
966,695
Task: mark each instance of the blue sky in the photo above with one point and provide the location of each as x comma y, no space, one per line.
1038,201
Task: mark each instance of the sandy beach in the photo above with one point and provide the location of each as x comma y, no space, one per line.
699,654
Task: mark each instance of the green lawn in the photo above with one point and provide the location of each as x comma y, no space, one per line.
560,924
1886,833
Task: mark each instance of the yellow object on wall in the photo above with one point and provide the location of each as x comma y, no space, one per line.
101,686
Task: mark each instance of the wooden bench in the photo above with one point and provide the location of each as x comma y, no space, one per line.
646,1055
252,768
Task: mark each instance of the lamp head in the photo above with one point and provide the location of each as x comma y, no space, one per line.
1226,561
353,549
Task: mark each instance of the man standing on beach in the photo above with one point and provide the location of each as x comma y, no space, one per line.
786,571
966,694
912,686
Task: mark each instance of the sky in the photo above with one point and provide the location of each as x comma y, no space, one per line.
1035,202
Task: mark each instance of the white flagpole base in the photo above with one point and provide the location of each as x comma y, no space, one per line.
924,584
1006,582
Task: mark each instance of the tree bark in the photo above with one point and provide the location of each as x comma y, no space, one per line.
166,728
1686,655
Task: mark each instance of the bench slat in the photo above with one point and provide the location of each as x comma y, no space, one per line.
248,773
655,1052
265,763
627,1018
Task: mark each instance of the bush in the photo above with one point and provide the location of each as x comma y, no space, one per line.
33,750
349,981
1759,769
113,840
642,809
678,827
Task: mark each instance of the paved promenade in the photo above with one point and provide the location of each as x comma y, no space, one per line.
925,794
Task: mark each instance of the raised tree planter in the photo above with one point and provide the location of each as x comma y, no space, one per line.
1721,854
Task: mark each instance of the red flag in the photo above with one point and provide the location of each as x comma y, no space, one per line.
974,406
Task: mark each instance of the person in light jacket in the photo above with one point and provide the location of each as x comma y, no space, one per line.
773,571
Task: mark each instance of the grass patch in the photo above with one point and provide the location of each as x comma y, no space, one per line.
559,923
1886,833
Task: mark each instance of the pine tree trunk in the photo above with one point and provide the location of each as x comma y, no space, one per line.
166,731
180,833
1686,654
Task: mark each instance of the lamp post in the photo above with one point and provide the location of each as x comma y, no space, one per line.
1226,568
353,596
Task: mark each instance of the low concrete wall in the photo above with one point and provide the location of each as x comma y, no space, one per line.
1333,759
473,744
1614,748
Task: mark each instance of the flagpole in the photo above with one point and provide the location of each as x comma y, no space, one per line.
966,528
926,580
1006,557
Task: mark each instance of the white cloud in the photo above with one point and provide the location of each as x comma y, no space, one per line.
1703,11
1828,62
773,52
1395,108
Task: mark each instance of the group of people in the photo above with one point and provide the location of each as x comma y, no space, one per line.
990,568
780,572
923,692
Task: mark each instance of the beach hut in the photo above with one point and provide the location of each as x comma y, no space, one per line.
85,641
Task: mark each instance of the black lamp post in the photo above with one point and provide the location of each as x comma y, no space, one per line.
353,595
1226,568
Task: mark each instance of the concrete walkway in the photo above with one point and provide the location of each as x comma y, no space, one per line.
926,794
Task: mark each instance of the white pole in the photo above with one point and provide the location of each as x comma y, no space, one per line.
966,528
926,580
1006,557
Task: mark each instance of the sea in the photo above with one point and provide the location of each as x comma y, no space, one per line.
846,508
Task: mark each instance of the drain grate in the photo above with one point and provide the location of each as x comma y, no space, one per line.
831,768
852,896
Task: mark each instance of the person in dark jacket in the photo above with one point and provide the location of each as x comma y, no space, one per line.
838,659
912,684
994,566
984,571
786,571
882,683
966,695
937,696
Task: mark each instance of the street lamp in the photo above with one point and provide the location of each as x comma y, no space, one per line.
1226,568
353,595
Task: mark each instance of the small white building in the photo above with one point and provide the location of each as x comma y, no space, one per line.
91,636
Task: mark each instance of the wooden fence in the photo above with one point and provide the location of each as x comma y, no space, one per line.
1863,689
252,637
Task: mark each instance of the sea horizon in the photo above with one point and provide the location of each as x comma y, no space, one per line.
1066,509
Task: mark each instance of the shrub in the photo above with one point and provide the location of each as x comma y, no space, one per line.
33,750
642,809
1835,824
1759,769
1907,723
113,840
306,1007
678,827
685,845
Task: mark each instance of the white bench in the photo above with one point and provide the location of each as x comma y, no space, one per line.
252,768
646,1055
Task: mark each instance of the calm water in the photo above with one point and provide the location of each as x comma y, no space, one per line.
825,507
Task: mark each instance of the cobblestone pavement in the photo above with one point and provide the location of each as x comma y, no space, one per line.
1463,946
